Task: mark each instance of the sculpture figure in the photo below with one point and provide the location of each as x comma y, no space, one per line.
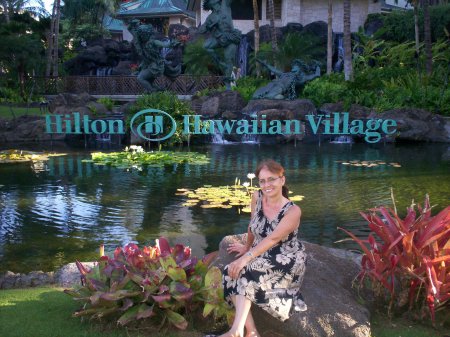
222,35
149,49
284,87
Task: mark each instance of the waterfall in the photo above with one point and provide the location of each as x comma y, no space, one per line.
103,71
339,47
217,138
243,55
342,140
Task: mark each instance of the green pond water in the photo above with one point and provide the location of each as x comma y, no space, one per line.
62,211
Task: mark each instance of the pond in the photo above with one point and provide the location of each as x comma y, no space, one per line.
63,211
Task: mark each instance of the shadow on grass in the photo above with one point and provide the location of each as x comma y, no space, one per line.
47,312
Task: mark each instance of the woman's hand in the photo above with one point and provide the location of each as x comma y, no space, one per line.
235,267
238,248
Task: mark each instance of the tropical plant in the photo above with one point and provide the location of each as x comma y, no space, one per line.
167,102
10,7
256,28
159,283
247,86
408,260
197,60
107,102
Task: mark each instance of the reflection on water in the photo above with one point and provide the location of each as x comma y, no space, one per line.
63,210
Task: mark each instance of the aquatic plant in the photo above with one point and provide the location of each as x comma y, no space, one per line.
161,284
18,156
408,260
368,163
134,157
239,195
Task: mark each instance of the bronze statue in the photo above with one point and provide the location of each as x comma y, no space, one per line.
149,49
284,87
222,35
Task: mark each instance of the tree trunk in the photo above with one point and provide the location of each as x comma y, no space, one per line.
330,38
416,29
256,42
273,32
52,55
348,68
427,36
6,11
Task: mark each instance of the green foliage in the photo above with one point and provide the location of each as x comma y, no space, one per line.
107,102
406,259
383,88
160,284
135,157
167,102
197,60
21,54
398,26
247,85
326,89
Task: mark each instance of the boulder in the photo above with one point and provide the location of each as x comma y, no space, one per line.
418,125
297,109
228,101
69,275
333,306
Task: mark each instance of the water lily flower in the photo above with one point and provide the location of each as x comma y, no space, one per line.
246,184
251,176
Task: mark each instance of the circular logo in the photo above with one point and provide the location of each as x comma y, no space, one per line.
153,125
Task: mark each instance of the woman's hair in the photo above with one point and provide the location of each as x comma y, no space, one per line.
276,168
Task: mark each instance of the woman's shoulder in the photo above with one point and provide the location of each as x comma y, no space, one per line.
294,209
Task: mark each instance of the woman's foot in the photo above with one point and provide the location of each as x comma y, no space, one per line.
252,333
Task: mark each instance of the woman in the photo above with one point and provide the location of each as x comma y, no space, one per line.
271,265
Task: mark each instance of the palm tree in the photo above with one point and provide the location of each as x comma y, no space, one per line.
256,25
273,32
348,68
53,40
427,36
330,38
9,7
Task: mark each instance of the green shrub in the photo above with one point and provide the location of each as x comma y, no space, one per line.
160,284
107,102
326,89
247,85
167,102
399,25
197,60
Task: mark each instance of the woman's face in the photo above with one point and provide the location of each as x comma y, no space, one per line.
269,182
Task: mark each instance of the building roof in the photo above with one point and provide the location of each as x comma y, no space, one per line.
154,8
113,24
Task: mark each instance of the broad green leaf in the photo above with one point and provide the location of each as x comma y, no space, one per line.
213,277
207,309
176,319
128,316
176,274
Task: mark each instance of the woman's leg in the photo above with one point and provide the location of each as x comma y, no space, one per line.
242,305
250,326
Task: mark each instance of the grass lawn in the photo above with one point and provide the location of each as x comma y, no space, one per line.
46,312
5,111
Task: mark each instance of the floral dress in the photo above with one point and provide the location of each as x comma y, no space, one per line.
272,280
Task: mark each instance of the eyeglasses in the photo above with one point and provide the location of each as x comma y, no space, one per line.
268,181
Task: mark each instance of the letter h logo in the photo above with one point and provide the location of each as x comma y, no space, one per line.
154,124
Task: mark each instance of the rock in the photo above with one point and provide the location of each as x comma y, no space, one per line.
8,280
298,108
69,275
292,27
122,68
333,307
215,105
357,111
329,108
318,28
418,125
69,100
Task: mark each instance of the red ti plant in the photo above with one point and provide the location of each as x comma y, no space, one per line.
159,283
408,257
